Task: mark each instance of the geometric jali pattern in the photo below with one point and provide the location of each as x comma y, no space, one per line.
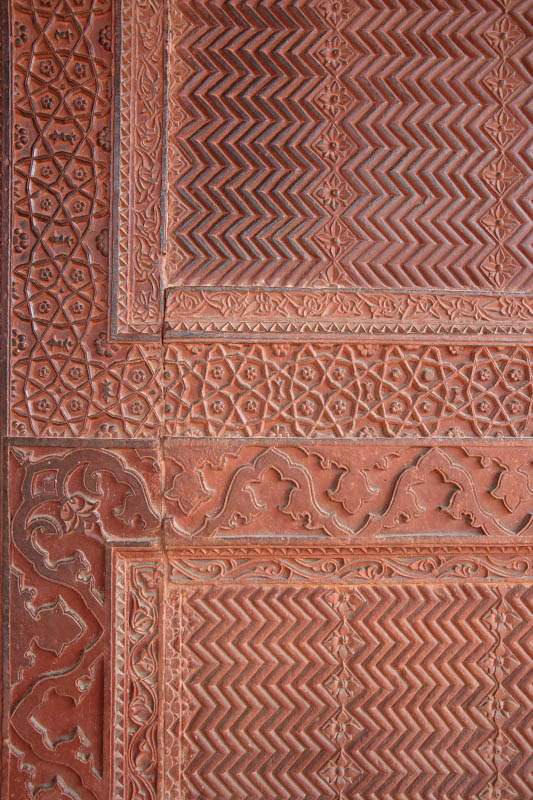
348,390
67,378
69,395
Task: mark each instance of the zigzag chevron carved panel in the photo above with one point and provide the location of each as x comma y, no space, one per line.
399,692
361,144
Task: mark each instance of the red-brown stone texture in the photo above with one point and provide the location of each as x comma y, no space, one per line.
267,401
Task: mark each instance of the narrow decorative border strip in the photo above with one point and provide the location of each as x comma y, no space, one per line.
139,152
351,569
258,310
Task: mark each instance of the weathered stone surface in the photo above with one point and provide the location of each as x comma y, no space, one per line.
267,526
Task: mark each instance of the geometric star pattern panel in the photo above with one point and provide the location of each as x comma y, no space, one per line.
267,400
339,390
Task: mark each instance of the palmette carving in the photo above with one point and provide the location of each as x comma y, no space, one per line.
140,105
340,311
179,703
142,677
245,491
369,567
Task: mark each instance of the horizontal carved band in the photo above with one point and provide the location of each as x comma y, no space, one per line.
365,390
343,311
398,493
352,569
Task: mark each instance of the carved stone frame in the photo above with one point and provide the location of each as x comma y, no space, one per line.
142,307
149,604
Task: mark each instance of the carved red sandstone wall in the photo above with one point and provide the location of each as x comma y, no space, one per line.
69,377
267,526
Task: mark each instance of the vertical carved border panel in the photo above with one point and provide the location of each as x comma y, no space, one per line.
68,507
68,377
140,115
137,676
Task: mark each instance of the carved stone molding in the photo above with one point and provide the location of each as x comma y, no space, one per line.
343,312
139,101
137,678
354,565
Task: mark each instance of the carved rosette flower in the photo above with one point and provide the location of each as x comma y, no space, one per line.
334,193
335,238
499,222
334,53
334,99
503,81
502,127
500,268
